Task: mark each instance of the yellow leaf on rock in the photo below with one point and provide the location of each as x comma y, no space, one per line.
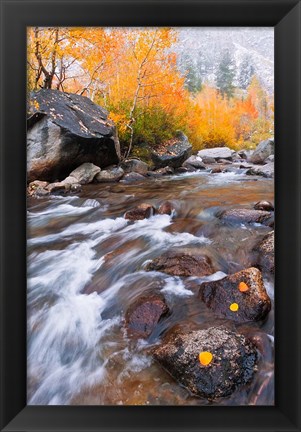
243,287
205,358
234,307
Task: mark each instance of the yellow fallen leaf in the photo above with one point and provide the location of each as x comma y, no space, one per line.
205,358
234,307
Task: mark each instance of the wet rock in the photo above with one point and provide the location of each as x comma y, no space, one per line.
37,189
208,160
76,187
175,154
242,215
245,154
140,212
234,361
225,161
183,170
65,130
70,180
165,208
132,177
262,151
85,173
265,249
264,205
37,184
262,170
182,264
58,187
145,313
216,153
244,289
110,174
270,158
161,172
194,162
134,165
217,169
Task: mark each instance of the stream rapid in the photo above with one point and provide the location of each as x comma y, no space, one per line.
86,267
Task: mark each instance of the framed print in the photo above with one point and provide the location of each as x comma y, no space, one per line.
149,160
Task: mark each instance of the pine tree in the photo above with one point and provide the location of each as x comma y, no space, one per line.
246,72
225,75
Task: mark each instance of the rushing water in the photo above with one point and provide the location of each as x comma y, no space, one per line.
86,266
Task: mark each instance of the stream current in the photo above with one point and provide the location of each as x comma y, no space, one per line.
86,266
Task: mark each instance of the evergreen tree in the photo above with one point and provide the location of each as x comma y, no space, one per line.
225,75
246,72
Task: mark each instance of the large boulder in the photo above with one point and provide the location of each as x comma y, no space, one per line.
65,130
240,297
262,151
182,264
265,250
174,155
230,360
216,153
144,314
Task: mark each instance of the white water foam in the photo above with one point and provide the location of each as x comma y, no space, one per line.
174,286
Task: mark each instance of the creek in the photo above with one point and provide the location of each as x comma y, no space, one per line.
86,266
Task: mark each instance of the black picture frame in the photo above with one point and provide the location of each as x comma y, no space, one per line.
16,15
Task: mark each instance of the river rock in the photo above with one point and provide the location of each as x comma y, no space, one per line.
132,177
110,174
140,212
242,215
194,162
208,160
165,208
175,154
37,189
65,130
184,170
266,170
216,153
161,172
265,249
245,154
217,169
233,364
85,173
144,314
262,151
253,303
182,264
134,165
264,205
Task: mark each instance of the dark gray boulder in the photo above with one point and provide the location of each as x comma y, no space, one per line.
65,130
173,155
234,360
